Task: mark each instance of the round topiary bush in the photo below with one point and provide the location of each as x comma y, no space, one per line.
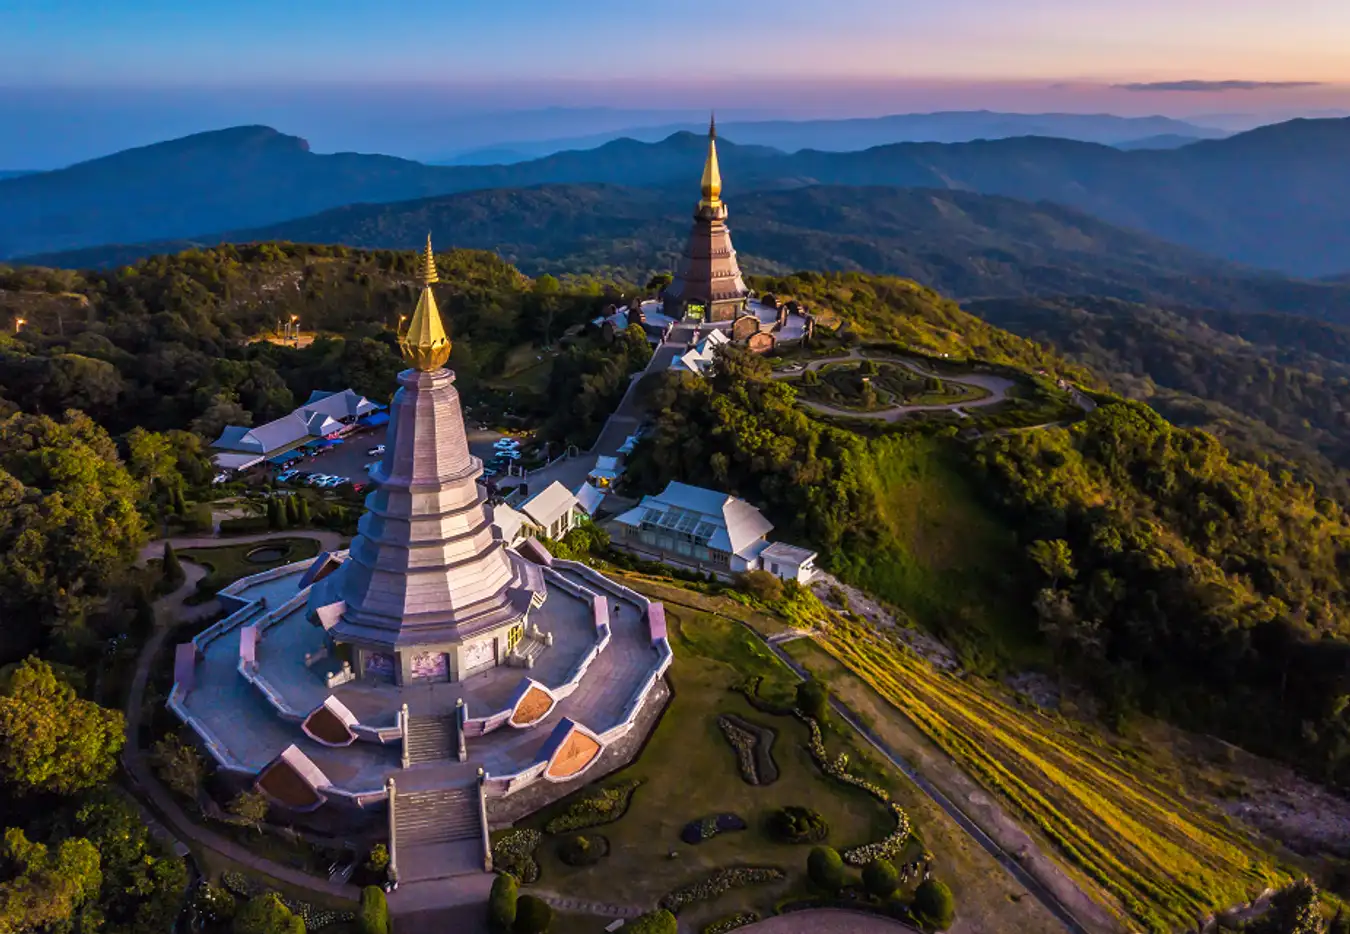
374,915
793,824
933,905
880,878
813,700
502,903
659,921
533,915
826,869
579,850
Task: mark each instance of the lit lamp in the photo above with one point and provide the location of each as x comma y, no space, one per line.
19,323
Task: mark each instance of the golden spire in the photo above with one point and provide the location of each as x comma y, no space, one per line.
712,176
425,344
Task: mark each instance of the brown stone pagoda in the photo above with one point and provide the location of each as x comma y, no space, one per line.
708,284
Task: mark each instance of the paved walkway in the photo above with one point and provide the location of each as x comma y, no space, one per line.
328,541
996,386
168,610
826,921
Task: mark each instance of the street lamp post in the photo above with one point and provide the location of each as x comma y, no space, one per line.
19,323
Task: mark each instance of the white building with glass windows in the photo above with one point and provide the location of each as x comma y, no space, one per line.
704,530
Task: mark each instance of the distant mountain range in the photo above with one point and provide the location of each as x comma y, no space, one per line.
1276,197
866,132
967,245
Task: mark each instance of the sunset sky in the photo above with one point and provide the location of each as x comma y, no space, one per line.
139,70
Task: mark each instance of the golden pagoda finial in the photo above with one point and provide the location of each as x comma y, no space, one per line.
425,344
429,265
712,176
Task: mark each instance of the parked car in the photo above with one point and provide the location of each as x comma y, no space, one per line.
221,477
490,471
359,487
513,455
505,444
376,451
330,482
286,476
315,479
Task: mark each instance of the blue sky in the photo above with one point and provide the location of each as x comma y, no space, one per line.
137,70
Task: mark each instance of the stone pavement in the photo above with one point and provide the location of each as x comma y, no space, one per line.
827,921
599,909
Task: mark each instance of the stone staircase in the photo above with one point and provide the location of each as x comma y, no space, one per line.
432,739
432,817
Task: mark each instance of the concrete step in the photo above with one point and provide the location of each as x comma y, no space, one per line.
423,817
431,739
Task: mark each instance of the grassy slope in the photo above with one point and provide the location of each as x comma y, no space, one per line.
1110,812
948,559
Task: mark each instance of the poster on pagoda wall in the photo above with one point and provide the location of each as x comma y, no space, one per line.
380,665
479,655
430,666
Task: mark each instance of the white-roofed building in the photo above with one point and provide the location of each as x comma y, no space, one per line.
511,526
699,358
589,499
697,528
788,562
325,415
553,509
605,471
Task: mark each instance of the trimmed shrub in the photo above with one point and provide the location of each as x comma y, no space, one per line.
705,828
731,922
880,878
374,915
580,850
793,824
659,921
761,585
601,807
199,518
533,915
933,905
720,882
513,852
753,745
826,869
171,568
503,903
266,914
378,860
245,525
813,700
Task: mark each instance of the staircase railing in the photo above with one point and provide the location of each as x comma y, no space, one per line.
403,722
393,837
483,823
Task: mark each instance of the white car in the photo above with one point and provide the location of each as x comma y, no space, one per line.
376,451
505,444
221,478
509,455
335,481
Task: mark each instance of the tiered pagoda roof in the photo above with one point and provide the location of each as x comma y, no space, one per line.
708,277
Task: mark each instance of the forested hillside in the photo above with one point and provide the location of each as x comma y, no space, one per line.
964,244
1173,578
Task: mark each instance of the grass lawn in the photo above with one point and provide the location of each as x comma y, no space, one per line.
1106,809
948,562
690,771
227,563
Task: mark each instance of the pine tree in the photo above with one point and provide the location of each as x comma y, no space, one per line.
302,516
171,568
179,506
276,519
292,518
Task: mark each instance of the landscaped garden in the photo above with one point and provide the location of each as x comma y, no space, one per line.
227,563
868,386
718,815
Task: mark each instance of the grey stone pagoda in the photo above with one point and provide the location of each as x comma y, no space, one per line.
427,592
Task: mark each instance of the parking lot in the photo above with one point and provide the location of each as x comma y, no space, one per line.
349,459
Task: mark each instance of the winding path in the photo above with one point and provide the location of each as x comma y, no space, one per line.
996,386
169,610
827,921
